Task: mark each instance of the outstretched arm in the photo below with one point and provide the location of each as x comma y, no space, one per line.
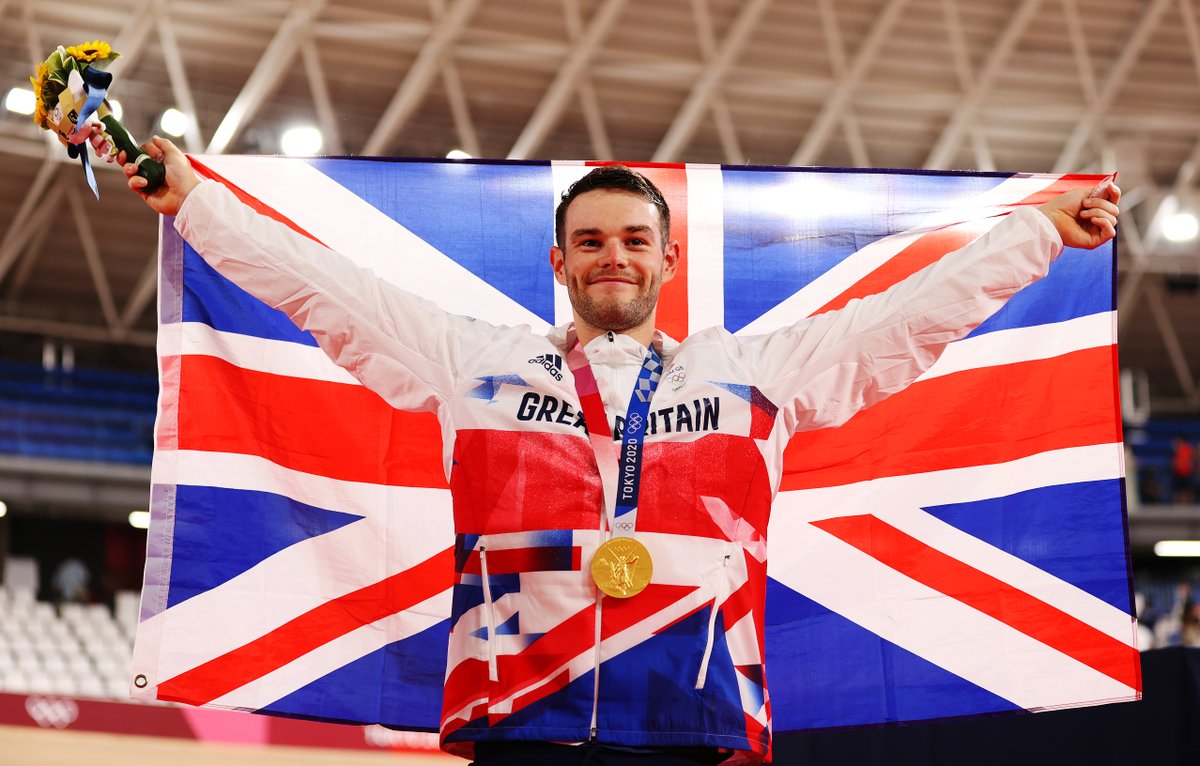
1084,218
824,369
180,178
404,348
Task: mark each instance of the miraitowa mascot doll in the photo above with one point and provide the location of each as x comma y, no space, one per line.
71,87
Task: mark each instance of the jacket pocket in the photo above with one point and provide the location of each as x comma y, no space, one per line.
489,615
720,592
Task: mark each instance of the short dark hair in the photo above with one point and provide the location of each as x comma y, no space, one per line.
612,178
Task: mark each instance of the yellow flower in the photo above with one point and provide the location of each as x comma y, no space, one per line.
39,79
39,86
84,52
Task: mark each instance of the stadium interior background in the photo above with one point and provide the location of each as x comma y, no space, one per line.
1031,85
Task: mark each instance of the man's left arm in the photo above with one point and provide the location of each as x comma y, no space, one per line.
824,369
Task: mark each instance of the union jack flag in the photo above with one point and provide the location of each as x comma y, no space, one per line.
957,549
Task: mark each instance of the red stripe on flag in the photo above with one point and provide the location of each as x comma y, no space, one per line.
935,244
989,595
1064,184
253,202
338,430
672,316
975,417
319,626
926,250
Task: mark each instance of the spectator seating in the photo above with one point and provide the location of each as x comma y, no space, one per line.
78,650
87,415
1153,446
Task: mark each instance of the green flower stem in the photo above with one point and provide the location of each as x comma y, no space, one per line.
150,169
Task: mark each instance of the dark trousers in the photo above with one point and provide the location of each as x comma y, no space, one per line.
549,754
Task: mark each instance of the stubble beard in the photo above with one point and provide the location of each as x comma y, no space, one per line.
613,313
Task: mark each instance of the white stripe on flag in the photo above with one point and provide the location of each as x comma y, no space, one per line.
706,247
942,629
401,528
278,357
899,501
336,654
563,173
1024,344
431,525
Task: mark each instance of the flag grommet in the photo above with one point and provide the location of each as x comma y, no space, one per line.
140,681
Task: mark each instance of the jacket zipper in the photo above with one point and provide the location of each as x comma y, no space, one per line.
718,598
489,615
596,639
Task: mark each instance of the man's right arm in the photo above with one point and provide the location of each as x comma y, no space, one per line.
179,182
402,347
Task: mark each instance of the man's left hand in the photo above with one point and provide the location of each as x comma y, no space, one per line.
1083,220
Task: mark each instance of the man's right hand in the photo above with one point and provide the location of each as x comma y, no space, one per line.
180,180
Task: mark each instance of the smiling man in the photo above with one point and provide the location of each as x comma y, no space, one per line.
621,254
612,512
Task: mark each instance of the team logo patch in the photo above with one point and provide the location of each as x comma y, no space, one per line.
675,377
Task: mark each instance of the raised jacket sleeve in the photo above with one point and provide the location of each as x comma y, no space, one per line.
404,348
824,369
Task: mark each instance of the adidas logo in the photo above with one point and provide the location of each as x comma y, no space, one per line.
552,363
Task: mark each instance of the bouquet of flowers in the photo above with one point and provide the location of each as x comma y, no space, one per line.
71,87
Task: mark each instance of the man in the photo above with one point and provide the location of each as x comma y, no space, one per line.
612,486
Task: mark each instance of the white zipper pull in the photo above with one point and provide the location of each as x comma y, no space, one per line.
718,598
489,615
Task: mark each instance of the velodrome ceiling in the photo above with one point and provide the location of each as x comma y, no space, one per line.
1027,85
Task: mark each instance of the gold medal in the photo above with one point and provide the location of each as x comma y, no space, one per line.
622,567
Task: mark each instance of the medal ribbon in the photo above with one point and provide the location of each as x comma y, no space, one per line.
629,457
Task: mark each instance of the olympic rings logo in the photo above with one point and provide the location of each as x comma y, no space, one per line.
634,423
52,712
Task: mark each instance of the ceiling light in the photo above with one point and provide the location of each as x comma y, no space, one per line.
20,100
1177,548
1180,227
174,122
457,154
139,519
301,141
3,509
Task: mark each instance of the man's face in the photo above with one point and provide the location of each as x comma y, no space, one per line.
615,259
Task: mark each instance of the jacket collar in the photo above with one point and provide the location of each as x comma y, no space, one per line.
563,337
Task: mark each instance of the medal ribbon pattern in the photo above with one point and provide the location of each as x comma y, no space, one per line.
621,566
